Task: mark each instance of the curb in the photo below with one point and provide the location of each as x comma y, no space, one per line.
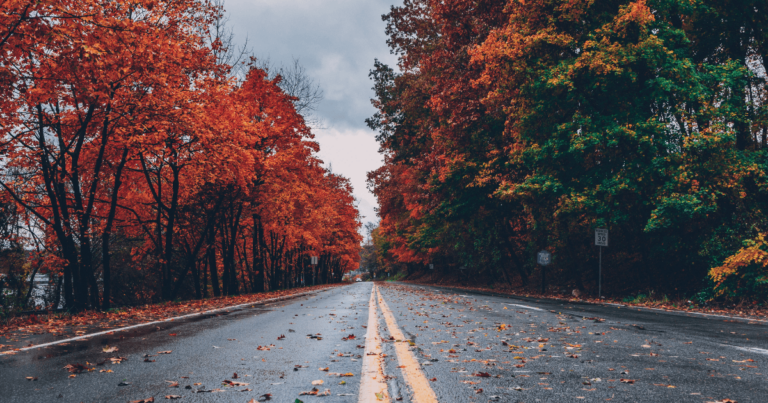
121,329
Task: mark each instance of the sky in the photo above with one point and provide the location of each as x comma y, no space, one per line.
336,41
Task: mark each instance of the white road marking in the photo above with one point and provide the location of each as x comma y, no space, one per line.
372,380
525,306
121,329
749,349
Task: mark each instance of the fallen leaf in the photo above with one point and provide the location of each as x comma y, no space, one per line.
147,400
172,397
173,384
164,352
312,392
109,349
629,381
317,382
233,383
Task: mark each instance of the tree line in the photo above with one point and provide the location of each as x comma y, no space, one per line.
144,159
510,127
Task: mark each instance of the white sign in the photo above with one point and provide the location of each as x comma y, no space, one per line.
601,237
544,258
314,259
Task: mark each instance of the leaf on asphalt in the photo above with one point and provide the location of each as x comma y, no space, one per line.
664,385
312,392
629,381
172,334
148,360
117,360
340,374
233,383
324,369
350,337
317,382
265,397
31,378
173,384
482,375
106,370
147,400
123,383
433,380
109,349
165,352
747,360
77,368
172,397
281,337
234,375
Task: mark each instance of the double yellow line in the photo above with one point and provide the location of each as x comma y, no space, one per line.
373,387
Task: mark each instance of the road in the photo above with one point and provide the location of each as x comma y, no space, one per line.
395,342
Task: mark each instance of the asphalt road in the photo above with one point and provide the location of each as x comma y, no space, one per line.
431,344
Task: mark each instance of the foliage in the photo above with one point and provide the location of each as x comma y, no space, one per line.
744,273
144,168
518,126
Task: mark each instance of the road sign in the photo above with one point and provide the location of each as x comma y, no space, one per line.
544,258
314,259
601,237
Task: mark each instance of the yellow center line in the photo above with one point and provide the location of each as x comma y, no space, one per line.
414,377
373,386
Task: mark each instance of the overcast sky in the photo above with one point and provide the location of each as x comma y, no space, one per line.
336,41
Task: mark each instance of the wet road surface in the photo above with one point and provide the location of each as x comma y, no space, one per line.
395,342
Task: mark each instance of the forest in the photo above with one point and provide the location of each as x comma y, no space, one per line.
145,158
512,127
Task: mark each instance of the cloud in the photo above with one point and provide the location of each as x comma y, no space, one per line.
352,153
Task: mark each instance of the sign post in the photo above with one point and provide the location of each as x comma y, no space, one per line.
601,239
544,258
313,261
